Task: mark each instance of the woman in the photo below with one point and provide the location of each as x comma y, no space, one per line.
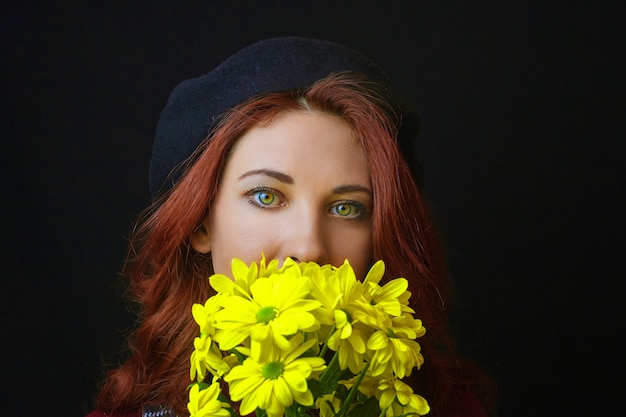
292,148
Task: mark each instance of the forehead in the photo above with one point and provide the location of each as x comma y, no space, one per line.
302,142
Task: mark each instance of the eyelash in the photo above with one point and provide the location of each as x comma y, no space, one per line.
253,192
360,209
252,196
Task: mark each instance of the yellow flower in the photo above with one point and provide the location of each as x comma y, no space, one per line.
206,356
277,382
278,306
266,271
395,397
392,344
350,347
382,302
393,353
205,403
328,405
335,288
204,315
398,398
199,356
375,273
338,293
243,277
324,288
280,320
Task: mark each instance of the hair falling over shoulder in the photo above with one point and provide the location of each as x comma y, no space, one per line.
166,276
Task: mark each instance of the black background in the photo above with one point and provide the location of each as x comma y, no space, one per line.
522,144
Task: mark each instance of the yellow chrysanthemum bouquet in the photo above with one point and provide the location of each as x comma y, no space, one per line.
283,341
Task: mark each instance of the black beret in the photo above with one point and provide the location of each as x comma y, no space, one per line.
272,65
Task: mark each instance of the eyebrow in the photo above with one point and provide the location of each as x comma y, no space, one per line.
351,188
288,179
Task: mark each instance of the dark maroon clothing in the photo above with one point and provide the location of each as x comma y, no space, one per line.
467,405
131,413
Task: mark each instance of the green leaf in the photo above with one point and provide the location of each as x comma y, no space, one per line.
369,408
240,356
203,385
319,389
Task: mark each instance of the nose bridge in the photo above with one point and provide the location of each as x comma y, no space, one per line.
306,241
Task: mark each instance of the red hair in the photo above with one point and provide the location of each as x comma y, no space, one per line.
167,276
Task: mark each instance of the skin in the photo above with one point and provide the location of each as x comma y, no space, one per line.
299,187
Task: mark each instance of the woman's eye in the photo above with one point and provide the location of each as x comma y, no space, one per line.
348,210
263,198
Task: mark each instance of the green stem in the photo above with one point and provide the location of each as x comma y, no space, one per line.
325,345
353,391
331,370
231,409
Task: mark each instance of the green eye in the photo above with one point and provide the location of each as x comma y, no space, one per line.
343,209
348,209
264,198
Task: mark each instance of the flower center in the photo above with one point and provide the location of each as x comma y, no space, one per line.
265,314
272,370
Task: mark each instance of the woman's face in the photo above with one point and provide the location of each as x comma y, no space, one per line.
300,188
